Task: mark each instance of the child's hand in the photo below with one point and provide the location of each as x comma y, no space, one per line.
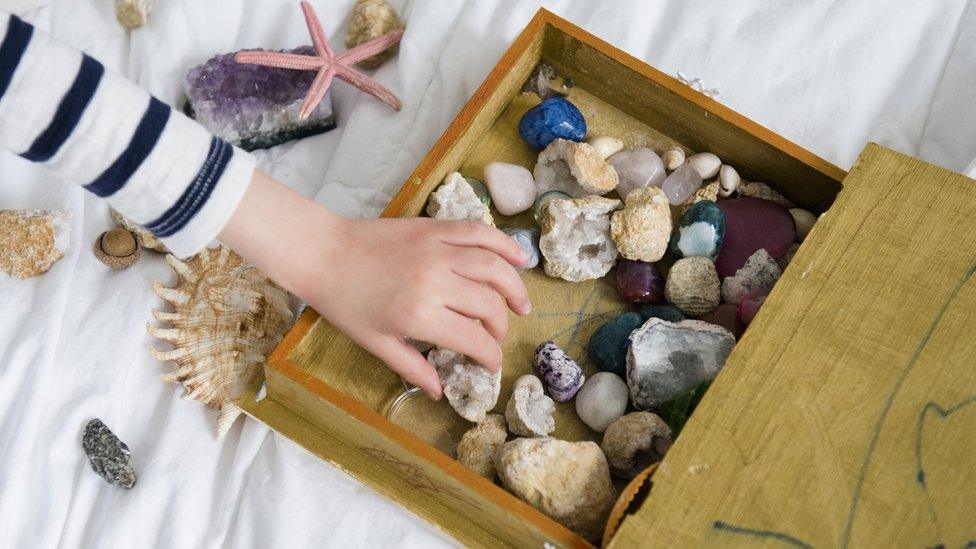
383,280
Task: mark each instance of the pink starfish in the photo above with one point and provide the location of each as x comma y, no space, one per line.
328,64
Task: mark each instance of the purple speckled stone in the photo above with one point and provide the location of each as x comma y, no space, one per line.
639,281
561,373
750,304
254,106
751,224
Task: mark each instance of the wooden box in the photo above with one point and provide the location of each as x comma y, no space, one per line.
842,417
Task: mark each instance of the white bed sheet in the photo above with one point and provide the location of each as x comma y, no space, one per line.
73,344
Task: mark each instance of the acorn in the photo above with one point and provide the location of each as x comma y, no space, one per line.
117,248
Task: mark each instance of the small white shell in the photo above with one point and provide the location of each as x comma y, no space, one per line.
765,192
804,222
605,145
673,157
706,164
728,180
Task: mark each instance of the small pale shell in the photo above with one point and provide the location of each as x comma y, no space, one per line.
709,192
706,164
804,222
605,145
729,180
764,191
673,157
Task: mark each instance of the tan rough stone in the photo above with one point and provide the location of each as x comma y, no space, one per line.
635,442
693,286
31,241
478,446
372,19
576,169
642,229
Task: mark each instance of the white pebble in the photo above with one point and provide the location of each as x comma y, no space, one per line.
602,400
607,146
804,222
728,180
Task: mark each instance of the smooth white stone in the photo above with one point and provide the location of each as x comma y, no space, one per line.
607,146
638,168
804,222
706,164
511,186
728,180
602,400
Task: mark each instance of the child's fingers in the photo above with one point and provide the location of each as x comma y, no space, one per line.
484,266
409,363
480,302
461,334
477,234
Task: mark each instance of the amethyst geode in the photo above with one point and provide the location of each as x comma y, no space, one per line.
252,106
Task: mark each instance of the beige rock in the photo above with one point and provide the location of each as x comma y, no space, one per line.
764,191
132,13
575,239
456,200
709,192
577,169
478,446
642,229
31,241
693,286
635,442
804,222
568,481
529,410
372,19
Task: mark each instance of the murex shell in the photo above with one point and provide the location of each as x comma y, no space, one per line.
227,318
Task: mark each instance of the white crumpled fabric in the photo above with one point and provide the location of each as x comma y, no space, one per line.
73,343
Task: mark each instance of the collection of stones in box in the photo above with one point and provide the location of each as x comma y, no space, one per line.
723,250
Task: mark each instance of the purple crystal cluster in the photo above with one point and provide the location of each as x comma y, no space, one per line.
253,106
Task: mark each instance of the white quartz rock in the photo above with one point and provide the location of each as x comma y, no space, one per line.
456,200
512,187
470,388
666,359
575,240
529,410
576,169
601,400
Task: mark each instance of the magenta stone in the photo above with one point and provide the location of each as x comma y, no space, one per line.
639,281
751,224
750,304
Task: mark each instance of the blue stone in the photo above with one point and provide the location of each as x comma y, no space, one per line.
528,240
664,312
552,119
700,232
608,344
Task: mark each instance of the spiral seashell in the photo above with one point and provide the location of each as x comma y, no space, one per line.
764,191
673,157
227,318
729,180
708,192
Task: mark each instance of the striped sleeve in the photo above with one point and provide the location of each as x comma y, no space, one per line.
64,110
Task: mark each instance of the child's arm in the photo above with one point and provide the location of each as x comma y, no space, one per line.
377,280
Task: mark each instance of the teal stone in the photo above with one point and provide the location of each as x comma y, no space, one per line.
608,345
700,232
664,312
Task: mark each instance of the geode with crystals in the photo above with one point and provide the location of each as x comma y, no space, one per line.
253,106
469,387
575,239
109,456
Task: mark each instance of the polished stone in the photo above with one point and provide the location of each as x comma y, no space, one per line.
512,187
608,345
639,281
681,184
640,167
700,231
751,224
552,119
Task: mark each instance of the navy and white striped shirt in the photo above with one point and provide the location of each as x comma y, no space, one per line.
61,108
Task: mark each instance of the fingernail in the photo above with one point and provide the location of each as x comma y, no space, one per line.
527,308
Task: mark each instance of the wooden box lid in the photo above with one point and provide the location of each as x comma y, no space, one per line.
845,414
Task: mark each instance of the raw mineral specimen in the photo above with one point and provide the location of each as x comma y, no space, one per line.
577,169
117,248
372,19
664,312
668,358
693,286
254,106
804,222
109,456
562,374
575,240
681,184
512,187
608,345
553,118
637,168
635,442
700,232
568,481
542,203
145,238
132,13
706,164
751,224
607,146
760,271
601,400
642,229
456,200
639,281
750,303
478,445
32,240
529,410
470,389
528,240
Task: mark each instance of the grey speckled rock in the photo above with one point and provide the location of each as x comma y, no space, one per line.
568,481
668,358
108,455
